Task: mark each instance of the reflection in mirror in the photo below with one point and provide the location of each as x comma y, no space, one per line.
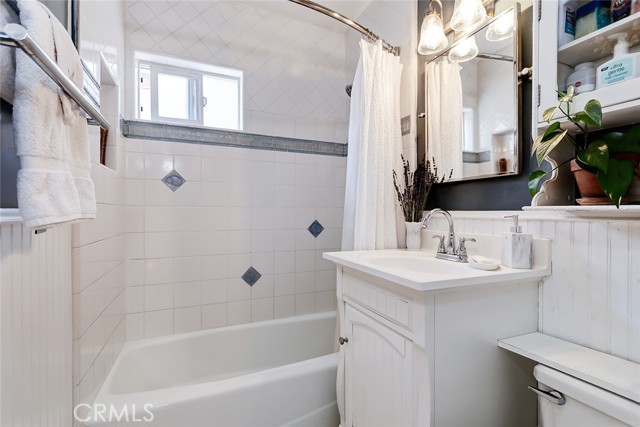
472,99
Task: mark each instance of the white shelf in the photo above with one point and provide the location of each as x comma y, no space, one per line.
621,104
625,211
589,48
609,372
10,216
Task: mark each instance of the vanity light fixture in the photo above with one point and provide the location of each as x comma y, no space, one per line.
501,28
432,37
465,50
466,14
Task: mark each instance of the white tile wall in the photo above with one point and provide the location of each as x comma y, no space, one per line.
35,327
238,208
100,245
593,294
99,273
294,70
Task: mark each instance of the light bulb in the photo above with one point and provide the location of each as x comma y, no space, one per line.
432,37
466,14
464,51
501,28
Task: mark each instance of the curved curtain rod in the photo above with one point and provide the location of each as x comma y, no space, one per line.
339,17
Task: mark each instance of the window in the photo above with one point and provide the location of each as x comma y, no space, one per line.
194,94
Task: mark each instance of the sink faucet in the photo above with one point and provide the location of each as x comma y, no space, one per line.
448,252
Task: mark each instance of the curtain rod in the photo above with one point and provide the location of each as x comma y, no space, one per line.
339,17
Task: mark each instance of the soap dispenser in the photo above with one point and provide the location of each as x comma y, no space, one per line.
516,246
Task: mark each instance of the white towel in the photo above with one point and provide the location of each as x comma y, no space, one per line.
54,182
444,116
7,57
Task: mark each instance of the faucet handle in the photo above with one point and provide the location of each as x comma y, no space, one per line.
441,248
462,249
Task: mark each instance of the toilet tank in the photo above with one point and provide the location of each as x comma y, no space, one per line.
586,405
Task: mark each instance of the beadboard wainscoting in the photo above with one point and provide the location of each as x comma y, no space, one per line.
35,322
593,295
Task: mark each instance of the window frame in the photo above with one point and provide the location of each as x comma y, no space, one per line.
193,71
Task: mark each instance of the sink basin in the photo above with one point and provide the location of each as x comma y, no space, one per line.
412,261
420,270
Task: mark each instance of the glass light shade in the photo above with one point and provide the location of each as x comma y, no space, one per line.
501,28
464,51
466,14
432,37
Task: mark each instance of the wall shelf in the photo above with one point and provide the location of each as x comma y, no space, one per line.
625,211
595,45
609,372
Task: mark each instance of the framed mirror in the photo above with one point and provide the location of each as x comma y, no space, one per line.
472,102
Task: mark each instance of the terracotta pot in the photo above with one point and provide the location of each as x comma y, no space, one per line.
589,187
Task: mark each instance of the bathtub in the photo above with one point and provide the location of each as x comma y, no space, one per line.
272,373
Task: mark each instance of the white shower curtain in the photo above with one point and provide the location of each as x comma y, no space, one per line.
444,116
375,145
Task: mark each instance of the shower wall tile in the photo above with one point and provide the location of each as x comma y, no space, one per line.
252,208
290,89
100,276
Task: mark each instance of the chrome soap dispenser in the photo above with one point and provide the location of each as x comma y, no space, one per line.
516,246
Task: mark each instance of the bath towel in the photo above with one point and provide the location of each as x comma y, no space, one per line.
54,182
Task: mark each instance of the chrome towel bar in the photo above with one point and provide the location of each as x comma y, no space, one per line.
15,35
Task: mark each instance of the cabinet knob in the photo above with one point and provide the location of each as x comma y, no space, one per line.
343,341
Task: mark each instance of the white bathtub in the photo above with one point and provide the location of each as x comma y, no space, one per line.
273,373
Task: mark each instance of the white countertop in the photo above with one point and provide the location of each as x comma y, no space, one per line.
460,274
609,372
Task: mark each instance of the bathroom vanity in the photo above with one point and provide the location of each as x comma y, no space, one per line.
419,338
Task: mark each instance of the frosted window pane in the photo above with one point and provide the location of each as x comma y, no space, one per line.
222,106
173,96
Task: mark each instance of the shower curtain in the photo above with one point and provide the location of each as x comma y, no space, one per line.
444,116
375,145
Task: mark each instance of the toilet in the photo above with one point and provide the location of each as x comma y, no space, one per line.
565,401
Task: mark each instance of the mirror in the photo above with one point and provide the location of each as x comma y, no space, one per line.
472,107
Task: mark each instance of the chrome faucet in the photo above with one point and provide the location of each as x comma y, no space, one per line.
449,251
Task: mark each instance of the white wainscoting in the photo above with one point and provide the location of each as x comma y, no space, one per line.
35,334
593,295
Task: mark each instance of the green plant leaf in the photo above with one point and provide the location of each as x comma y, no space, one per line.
548,113
543,147
566,97
534,180
596,155
553,127
593,110
627,142
616,181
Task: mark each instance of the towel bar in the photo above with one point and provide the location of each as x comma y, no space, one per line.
15,35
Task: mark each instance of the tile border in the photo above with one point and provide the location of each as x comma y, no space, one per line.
207,136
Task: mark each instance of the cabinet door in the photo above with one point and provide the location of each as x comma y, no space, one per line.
545,59
377,374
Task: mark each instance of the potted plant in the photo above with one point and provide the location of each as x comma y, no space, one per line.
413,196
609,160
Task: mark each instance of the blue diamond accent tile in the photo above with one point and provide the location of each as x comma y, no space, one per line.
315,228
173,180
251,276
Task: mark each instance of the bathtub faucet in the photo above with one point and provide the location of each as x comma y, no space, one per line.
448,252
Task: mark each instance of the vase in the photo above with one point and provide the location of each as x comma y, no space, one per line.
413,235
590,191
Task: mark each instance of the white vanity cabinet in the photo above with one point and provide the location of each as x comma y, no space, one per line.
429,357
